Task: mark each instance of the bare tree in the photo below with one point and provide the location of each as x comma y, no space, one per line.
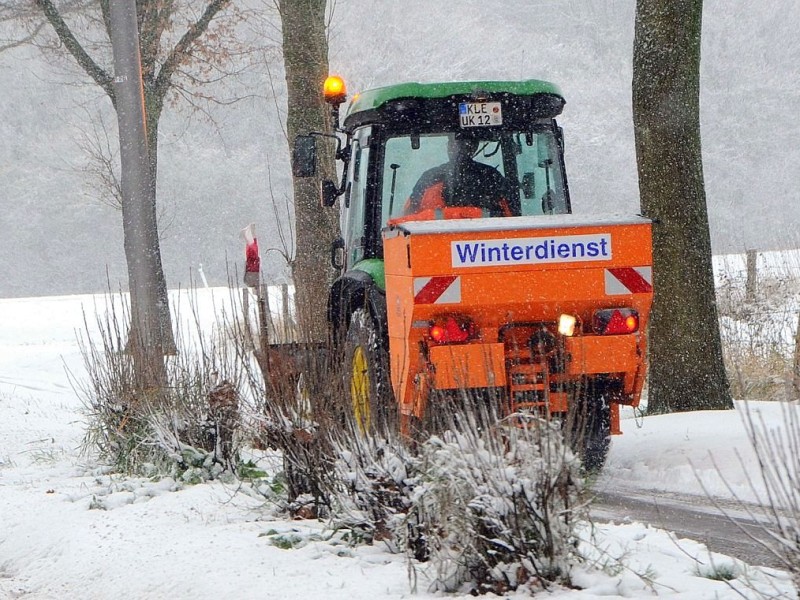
83,29
138,201
686,366
305,53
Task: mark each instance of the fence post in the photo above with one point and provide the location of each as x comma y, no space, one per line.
286,317
752,276
796,371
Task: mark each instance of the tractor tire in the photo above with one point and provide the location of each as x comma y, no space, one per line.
597,435
367,383
591,430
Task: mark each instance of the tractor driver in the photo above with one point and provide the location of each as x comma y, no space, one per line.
461,181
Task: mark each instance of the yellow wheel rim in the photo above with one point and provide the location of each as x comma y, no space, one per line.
360,388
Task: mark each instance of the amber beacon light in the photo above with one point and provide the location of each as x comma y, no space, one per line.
334,90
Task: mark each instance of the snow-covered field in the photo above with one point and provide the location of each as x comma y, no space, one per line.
69,529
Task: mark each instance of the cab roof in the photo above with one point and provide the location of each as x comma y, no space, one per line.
377,97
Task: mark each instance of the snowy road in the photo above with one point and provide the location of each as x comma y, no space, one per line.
725,528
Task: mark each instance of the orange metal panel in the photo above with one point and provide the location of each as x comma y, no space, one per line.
468,366
501,281
601,354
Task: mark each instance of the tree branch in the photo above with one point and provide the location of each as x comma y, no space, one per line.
105,12
153,20
64,33
181,49
22,41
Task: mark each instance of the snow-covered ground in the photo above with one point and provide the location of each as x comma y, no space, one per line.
69,529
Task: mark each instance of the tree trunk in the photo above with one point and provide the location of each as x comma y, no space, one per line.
686,365
146,341
164,318
305,53
156,18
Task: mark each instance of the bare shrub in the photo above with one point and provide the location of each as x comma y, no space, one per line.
296,394
502,505
776,485
188,428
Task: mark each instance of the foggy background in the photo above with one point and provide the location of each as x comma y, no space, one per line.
229,166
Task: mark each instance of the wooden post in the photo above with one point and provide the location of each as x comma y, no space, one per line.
246,314
752,276
286,320
263,317
796,371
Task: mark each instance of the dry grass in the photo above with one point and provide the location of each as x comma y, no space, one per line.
759,330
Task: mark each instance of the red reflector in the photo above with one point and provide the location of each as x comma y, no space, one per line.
616,321
452,330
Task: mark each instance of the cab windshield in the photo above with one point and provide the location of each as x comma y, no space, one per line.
519,173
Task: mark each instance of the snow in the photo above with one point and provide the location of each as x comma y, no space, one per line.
71,529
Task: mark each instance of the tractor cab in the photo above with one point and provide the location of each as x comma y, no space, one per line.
399,163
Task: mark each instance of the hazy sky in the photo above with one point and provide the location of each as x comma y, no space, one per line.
220,172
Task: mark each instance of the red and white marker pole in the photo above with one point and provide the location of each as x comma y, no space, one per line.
252,263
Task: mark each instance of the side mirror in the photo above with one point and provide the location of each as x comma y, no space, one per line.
328,192
304,156
337,254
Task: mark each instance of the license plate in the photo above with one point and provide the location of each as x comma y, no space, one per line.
480,114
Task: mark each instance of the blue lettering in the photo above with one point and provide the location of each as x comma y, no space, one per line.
532,250
467,252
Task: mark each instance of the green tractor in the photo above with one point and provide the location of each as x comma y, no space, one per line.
480,280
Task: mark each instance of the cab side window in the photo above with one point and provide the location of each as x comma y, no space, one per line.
406,158
355,196
541,180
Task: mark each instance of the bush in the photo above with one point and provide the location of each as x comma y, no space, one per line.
777,485
501,507
376,480
190,426
490,509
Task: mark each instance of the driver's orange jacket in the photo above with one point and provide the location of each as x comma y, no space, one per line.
433,198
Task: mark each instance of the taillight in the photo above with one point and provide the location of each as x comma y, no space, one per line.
615,321
452,329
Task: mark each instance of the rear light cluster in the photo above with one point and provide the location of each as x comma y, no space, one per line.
452,329
615,321
459,329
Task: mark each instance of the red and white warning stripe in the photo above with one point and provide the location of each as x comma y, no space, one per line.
629,280
437,290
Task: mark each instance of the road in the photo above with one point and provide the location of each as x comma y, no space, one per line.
727,529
